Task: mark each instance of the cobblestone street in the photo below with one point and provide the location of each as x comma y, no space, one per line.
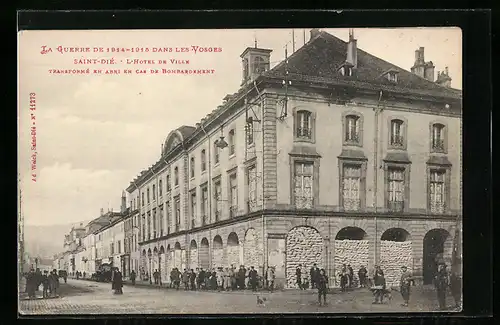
85,297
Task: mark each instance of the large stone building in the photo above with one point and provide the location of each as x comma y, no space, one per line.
332,157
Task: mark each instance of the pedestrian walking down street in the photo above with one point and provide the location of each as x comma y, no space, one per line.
379,285
362,276
442,282
298,275
404,285
313,275
321,282
117,282
192,280
271,276
45,284
132,277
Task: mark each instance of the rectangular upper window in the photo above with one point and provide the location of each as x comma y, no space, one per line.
303,184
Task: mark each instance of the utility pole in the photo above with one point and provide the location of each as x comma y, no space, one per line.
293,40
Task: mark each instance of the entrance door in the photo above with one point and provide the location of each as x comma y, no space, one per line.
434,246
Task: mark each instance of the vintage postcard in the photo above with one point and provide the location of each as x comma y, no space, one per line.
240,171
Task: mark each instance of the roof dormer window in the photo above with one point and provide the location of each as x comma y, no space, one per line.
346,70
392,76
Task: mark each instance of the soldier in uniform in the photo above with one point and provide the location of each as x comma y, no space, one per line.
404,284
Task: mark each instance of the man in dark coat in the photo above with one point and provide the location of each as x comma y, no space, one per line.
117,282
132,277
298,275
362,276
442,282
350,274
45,284
322,285
54,283
253,278
344,278
192,279
313,274
379,283
241,277
31,283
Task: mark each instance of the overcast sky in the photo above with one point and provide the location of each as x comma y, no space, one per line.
96,133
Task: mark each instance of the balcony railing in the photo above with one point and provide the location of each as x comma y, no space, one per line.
304,133
438,145
352,137
438,207
395,206
352,204
397,140
233,211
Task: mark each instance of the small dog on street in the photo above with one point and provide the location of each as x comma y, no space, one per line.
261,301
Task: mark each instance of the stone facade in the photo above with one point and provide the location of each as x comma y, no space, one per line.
394,255
252,254
351,252
304,245
193,258
233,253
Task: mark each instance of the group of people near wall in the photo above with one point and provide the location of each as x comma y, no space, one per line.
220,279
315,278
48,281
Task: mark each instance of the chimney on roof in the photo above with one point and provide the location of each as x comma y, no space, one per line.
314,32
443,78
123,206
352,50
102,211
422,68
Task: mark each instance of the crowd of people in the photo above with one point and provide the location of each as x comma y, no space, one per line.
48,281
219,279
231,279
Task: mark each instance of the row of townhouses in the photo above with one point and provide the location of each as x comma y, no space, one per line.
333,157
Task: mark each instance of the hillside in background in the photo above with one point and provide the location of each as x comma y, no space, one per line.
45,241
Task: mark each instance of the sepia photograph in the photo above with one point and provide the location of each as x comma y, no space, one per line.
240,171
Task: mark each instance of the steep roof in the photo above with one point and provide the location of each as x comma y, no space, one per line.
320,59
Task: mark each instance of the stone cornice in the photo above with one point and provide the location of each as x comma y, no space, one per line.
302,214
